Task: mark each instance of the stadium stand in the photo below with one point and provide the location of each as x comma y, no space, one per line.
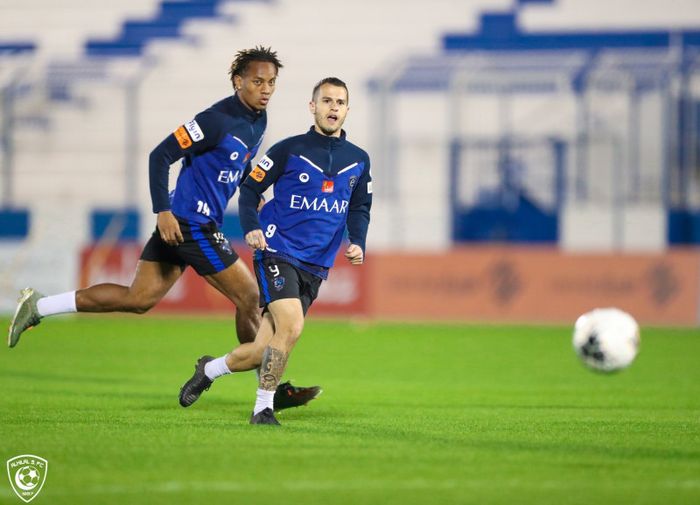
107,81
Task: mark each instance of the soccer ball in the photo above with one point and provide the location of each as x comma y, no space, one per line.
28,476
606,339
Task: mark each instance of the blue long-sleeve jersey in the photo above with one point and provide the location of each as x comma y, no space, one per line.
217,146
321,185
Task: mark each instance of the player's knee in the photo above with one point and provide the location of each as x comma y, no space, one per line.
249,305
140,304
291,332
248,318
257,352
140,308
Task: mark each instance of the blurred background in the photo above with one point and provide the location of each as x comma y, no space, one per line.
533,159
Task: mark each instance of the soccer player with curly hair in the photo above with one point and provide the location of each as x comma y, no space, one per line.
216,147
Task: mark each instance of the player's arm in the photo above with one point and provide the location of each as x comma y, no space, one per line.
246,172
267,171
358,217
195,136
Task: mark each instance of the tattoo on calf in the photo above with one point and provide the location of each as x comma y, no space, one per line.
272,367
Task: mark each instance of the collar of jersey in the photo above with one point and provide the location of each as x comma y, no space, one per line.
325,140
239,107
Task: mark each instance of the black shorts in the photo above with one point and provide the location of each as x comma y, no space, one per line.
278,279
205,249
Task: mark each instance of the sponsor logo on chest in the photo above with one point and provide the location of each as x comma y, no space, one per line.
318,204
229,176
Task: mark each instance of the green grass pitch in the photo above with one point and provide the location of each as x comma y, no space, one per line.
411,414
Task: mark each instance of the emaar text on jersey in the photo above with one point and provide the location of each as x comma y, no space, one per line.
300,202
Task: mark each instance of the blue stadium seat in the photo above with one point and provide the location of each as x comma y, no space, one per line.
135,34
7,48
14,223
117,224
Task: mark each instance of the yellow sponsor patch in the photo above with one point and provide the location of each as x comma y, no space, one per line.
258,174
182,137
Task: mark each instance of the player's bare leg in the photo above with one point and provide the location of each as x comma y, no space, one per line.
248,356
245,357
288,318
152,281
238,285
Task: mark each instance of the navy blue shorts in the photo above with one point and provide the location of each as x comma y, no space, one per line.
205,249
278,279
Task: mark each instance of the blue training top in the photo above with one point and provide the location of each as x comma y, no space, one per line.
217,146
321,184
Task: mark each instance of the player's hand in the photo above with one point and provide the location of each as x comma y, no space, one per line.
354,254
256,240
169,228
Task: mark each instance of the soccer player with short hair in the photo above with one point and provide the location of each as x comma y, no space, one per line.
217,147
322,186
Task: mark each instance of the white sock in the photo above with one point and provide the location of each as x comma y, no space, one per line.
56,304
216,368
264,400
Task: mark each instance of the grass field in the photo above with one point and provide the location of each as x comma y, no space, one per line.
411,414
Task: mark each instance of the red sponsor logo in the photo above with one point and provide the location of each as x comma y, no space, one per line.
327,187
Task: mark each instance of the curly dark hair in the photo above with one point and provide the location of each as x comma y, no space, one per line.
244,58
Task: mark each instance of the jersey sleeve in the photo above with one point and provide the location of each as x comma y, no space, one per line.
200,134
266,172
359,208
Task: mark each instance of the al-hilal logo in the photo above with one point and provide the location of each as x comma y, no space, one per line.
27,474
